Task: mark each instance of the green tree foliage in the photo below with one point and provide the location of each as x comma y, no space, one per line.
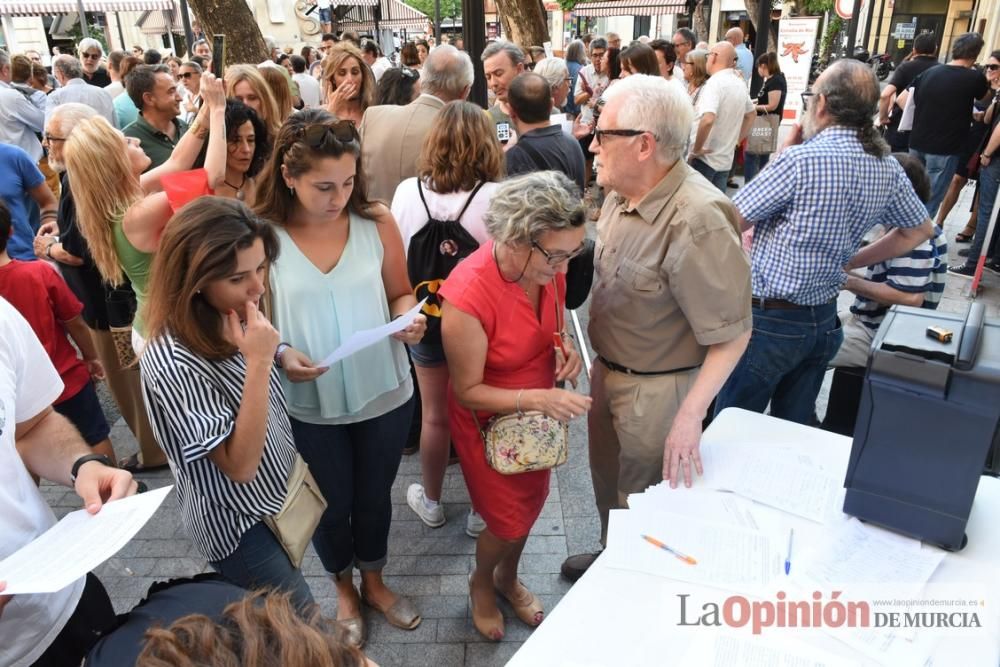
449,8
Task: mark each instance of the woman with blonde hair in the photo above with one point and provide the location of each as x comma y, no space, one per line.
121,210
349,83
245,83
280,90
458,171
695,72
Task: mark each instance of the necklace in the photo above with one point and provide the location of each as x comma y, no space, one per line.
496,261
239,190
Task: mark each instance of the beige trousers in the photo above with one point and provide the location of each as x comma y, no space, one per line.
628,423
124,386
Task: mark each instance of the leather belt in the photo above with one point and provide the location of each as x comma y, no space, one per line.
628,371
780,304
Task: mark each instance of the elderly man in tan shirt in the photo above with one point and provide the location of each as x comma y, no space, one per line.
670,311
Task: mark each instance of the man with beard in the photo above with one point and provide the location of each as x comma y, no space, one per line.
809,212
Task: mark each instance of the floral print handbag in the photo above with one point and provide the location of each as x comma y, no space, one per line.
525,441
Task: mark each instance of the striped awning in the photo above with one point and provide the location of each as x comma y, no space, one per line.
49,7
160,22
629,8
394,14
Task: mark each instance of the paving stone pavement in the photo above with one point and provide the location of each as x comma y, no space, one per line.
429,565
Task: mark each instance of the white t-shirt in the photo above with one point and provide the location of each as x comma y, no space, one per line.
380,67
725,95
411,217
308,89
28,385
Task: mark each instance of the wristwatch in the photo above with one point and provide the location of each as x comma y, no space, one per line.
87,458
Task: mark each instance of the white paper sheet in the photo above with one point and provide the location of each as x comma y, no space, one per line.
728,556
77,544
359,340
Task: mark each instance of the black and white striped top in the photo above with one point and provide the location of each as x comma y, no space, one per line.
192,404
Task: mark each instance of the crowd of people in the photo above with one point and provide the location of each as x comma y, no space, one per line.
201,244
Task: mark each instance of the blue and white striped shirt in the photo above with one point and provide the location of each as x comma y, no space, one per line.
922,270
192,404
810,208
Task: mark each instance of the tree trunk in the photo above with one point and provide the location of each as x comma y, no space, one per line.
232,18
524,21
753,8
698,21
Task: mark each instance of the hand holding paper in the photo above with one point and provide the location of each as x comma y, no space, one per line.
359,340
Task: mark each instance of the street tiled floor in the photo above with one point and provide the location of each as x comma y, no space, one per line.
429,565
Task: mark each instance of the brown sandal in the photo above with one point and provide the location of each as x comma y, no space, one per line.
401,613
526,604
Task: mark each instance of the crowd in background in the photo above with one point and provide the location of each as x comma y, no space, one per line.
201,244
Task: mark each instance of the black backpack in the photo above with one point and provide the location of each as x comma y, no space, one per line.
434,251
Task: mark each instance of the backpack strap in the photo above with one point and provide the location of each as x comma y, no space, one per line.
420,191
472,195
533,153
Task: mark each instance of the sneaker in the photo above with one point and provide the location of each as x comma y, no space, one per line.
993,267
576,566
415,499
964,252
965,270
474,524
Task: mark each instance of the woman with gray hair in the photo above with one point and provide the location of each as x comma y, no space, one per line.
502,305
555,71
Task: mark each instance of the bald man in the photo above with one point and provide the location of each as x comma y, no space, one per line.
744,59
724,112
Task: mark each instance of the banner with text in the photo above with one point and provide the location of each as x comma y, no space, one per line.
796,46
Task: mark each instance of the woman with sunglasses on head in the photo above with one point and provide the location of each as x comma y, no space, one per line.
213,395
349,83
342,270
503,305
121,208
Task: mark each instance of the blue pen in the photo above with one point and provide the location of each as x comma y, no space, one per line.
788,558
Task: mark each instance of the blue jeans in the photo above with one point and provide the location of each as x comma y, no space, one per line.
752,164
989,183
355,466
260,562
784,363
716,178
940,169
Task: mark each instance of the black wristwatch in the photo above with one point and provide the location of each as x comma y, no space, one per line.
87,458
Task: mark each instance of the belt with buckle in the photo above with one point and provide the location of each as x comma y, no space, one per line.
781,304
628,371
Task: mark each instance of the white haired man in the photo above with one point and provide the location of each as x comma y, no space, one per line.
392,136
670,311
72,88
91,54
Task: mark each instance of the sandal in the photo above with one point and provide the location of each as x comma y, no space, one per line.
136,467
355,631
962,237
401,613
526,604
492,632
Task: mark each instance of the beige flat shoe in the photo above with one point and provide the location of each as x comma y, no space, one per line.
491,628
402,613
525,604
355,631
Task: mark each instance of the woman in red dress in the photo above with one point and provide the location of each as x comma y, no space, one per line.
502,306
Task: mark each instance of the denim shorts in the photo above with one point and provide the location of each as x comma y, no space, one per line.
326,15
427,355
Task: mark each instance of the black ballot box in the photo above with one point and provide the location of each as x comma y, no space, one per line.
927,424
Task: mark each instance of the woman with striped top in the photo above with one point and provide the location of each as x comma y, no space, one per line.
342,270
213,396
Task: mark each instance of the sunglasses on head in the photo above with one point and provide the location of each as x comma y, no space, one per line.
317,136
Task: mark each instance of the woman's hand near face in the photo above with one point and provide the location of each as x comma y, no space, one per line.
257,340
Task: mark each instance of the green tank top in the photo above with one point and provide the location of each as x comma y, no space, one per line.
136,265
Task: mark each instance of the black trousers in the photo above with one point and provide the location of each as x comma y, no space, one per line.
94,615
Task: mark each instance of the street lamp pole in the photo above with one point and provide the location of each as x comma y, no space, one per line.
84,29
474,36
186,21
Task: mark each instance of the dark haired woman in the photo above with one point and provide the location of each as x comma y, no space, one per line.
639,59
770,99
213,396
399,86
342,270
248,146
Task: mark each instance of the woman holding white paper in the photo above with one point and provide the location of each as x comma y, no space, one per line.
342,270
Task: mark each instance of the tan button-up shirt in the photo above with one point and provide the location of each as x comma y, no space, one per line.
671,277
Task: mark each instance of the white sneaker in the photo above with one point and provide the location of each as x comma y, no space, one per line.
415,499
474,524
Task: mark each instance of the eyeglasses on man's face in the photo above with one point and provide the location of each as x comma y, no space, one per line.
49,139
807,98
600,134
557,257
91,56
